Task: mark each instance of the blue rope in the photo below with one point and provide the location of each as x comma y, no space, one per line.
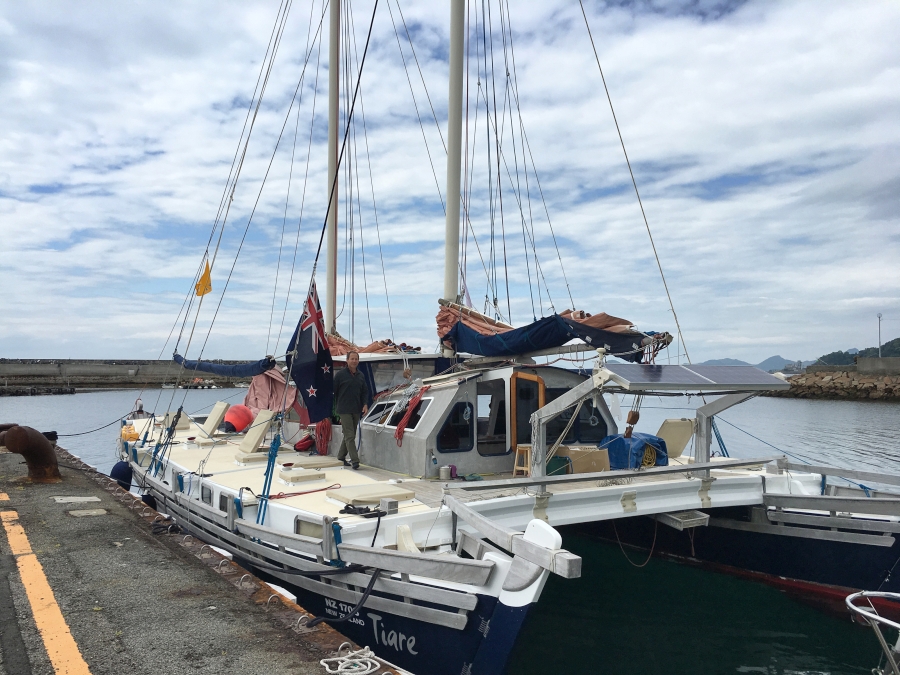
805,461
719,439
267,483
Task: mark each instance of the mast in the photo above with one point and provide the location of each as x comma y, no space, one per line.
333,112
454,151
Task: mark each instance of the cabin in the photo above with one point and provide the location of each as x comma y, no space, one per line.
472,419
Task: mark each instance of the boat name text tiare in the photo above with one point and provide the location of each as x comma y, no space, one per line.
392,638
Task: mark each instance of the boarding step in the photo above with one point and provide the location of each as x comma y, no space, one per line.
683,520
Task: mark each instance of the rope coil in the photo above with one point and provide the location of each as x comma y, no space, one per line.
359,662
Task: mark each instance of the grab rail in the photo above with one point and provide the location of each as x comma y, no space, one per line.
885,478
871,616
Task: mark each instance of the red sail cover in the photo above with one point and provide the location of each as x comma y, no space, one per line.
269,391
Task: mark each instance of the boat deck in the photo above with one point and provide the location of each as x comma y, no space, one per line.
577,501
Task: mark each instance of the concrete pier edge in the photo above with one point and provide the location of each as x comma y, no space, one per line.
282,612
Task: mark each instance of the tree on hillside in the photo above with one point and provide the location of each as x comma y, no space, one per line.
836,359
891,348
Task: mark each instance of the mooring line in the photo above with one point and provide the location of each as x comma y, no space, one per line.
63,651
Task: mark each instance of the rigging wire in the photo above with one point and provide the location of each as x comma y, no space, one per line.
271,63
258,195
497,125
288,194
343,144
362,114
518,188
362,243
235,168
634,182
418,115
305,185
497,147
271,52
421,76
515,93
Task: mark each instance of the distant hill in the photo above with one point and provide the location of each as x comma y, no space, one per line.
771,363
774,363
847,358
724,362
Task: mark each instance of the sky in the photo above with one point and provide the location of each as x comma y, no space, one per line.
764,138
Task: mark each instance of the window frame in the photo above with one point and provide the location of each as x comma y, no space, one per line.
426,401
472,428
387,404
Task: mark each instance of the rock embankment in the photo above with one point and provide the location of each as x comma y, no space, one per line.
843,384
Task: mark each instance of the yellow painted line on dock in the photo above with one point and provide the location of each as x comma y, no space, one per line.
4,497
61,646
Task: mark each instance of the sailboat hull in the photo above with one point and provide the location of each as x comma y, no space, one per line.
425,638
820,571
483,647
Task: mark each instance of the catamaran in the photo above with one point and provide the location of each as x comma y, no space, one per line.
433,552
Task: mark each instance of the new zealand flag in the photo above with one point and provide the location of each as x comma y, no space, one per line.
309,360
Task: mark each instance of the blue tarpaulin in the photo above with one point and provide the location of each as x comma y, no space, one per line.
234,370
551,331
628,453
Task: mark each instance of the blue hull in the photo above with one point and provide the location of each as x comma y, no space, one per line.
770,557
438,650
483,647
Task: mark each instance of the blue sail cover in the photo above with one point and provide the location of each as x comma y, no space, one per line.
551,331
236,370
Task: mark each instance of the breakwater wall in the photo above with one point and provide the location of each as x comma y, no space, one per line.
869,379
58,374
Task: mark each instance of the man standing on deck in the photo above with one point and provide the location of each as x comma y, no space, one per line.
351,396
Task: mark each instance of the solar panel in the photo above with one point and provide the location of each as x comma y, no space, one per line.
637,377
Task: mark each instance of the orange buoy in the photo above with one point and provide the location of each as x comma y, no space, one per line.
240,417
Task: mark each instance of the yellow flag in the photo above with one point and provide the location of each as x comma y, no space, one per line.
204,286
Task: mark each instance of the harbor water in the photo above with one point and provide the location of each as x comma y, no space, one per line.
619,619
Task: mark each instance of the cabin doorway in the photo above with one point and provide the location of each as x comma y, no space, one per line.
528,394
492,418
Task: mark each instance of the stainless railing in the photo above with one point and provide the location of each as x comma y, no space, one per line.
869,615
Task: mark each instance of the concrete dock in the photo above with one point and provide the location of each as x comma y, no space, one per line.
91,582
47,376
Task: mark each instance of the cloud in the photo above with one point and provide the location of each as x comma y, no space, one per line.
762,135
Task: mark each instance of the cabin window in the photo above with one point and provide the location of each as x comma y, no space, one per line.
379,412
418,411
206,495
457,434
491,425
223,502
588,429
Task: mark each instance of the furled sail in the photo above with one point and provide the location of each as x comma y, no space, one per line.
475,334
251,369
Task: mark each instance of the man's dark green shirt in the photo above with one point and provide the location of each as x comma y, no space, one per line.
350,392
